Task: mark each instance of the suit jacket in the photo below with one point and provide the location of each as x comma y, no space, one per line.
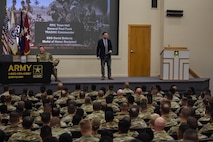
100,52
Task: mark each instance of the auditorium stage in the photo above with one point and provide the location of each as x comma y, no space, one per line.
198,83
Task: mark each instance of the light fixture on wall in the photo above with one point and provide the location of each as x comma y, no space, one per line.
174,13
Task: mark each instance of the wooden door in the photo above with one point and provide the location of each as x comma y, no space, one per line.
139,50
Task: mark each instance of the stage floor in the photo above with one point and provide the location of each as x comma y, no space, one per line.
198,83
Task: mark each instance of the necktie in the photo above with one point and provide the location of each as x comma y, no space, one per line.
106,46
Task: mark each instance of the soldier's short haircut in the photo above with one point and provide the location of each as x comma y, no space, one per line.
109,116
45,117
49,92
88,100
27,122
3,109
124,125
165,106
31,93
134,111
46,131
50,139
192,123
104,33
55,111
106,139
28,105
109,99
82,95
80,112
95,124
55,121
190,135
76,119
131,99
65,137
183,127
96,106
71,108
85,125
14,117
185,112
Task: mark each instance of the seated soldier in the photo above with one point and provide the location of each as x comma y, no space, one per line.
190,135
26,134
136,122
123,131
68,117
55,124
95,127
86,131
208,126
193,124
44,56
87,106
159,133
127,89
110,123
165,108
119,98
14,122
144,113
124,111
114,106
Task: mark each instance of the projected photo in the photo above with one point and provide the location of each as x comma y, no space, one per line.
68,27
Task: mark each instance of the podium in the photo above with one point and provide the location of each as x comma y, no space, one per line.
174,63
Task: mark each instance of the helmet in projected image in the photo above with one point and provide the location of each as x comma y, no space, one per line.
14,0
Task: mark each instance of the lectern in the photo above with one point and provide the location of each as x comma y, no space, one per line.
174,63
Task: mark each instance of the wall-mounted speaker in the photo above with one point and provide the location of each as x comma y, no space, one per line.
174,13
154,3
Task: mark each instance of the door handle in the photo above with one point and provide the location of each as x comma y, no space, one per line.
131,51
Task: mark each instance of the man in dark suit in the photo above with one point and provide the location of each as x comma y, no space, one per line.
104,51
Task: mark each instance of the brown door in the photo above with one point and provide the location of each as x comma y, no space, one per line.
139,50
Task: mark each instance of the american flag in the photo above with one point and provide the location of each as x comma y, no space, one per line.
4,38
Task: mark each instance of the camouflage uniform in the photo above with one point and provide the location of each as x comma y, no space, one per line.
93,93
157,98
11,129
120,115
138,123
75,93
123,138
87,107
25,135
110,125
128,90
161,136
96,135
57,93
173,129
110,92
96,114
169,121
207,127
47,57
57,131
114,107
145,114
88,138
68,119
10,107
119,100
62,100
